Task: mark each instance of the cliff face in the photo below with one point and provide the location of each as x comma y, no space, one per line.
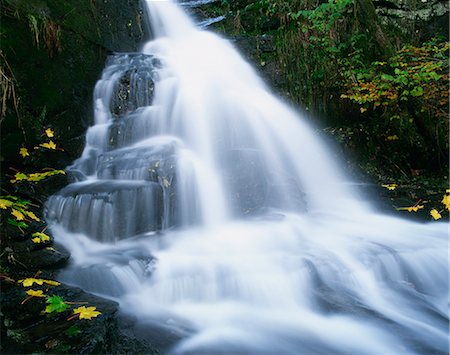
52,53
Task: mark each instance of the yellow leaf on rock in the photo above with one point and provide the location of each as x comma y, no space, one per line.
40,237
24,152
49,133
35,293
49,145
52,283
411,208
18,215
435,214
86,312
32,216
392,138
446,201
390,187
4,204
30,281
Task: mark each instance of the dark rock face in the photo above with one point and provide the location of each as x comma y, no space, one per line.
54,75
26,329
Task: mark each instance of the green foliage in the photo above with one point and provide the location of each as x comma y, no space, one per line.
19,209
413,73
36,177
56,304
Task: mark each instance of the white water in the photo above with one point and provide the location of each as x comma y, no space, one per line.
214,213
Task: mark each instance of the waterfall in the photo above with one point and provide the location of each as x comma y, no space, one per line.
214,214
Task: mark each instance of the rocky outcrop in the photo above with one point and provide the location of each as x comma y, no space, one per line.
53,51
427,18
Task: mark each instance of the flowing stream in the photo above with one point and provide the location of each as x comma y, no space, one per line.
211,210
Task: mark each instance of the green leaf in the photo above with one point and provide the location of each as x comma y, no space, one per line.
417,91
17,224
387,77
56,304
73,331
434,75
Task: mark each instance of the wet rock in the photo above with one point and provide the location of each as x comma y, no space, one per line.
136,85
426,18
30,259
27,329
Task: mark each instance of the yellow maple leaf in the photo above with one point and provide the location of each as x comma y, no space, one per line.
52,283
415,208
35,293
24,152
390,187
435,214
30,281
40,237
4,204
19,215
49,145
86,312
411,208
392,138
49,133
32,216
446,201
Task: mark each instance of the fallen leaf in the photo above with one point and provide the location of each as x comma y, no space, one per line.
446,201
435,214
49,133
86,312
411,208
30,281
49,145
40,237
18,215
35,293
390,187
32,216
56,304
4,204
24,152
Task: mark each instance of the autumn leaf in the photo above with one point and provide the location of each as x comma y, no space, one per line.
32,216
24,152
392,138
435,214
35,293
4,204
56,304
52,283
390,187
19,177
86,312
30,282
49,133
411,208
18,215
40,237
446,201
49,145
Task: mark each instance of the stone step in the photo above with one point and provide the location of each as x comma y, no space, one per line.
108,210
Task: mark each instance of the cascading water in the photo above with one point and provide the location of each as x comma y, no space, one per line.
205,205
